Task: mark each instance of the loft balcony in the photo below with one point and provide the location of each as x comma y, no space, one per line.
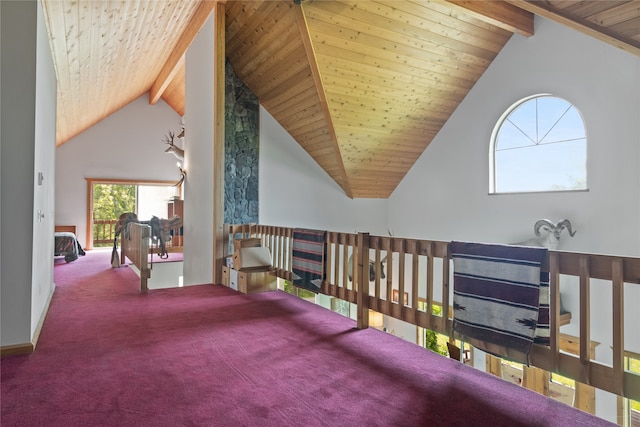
422,271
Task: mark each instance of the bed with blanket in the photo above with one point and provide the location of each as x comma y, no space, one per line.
66,243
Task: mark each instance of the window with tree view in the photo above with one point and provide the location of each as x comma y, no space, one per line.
110,200
539,144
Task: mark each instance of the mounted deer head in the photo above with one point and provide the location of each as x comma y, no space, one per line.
174,149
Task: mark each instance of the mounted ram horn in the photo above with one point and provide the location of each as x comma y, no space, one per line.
548,234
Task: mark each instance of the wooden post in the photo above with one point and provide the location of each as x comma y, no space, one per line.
585,395
361,281
554,309
585,319
585,399
617,269
494,365
536,379
445,292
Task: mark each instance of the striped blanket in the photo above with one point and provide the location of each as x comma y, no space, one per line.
500,298
308,259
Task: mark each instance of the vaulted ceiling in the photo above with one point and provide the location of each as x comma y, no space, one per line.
362,86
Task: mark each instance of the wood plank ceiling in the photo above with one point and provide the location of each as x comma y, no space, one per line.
362,86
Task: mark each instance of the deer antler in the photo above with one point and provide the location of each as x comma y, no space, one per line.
168,138
175,150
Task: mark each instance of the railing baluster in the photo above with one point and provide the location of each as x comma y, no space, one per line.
412,303
329,262
415,278
362,283
386,245
354,267
429,307
617,271
585,319
554,309
336,264
445,293
377,243
399,245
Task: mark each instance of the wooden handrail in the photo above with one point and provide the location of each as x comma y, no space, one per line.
103,230
424,275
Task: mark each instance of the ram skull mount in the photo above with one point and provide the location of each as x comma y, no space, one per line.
548,234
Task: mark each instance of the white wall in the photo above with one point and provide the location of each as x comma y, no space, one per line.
28,126
44,175
126,145
296,192
448,186
445,195
198,185
18,90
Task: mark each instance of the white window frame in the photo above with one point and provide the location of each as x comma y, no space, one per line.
494,137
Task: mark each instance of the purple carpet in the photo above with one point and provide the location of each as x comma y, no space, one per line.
171,257
209,356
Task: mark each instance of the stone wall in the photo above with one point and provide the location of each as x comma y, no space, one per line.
242,147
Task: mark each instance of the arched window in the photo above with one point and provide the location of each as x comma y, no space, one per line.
539,144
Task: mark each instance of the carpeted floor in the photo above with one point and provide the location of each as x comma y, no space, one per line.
209,356
171,257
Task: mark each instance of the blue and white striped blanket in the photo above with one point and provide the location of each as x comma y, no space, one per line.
308,259
500,298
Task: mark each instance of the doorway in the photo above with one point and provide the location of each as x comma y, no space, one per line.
108,199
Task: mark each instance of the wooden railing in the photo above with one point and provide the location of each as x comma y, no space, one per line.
135,246
421,272
103,231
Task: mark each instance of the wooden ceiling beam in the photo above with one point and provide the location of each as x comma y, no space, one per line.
313,65
499,13
176,58
582,25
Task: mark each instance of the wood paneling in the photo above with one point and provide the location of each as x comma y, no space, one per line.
614,22
175,91
372,87
267,51
389,86
108,53
175,62
362,86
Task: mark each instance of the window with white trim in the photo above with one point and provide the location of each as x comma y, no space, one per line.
539,144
